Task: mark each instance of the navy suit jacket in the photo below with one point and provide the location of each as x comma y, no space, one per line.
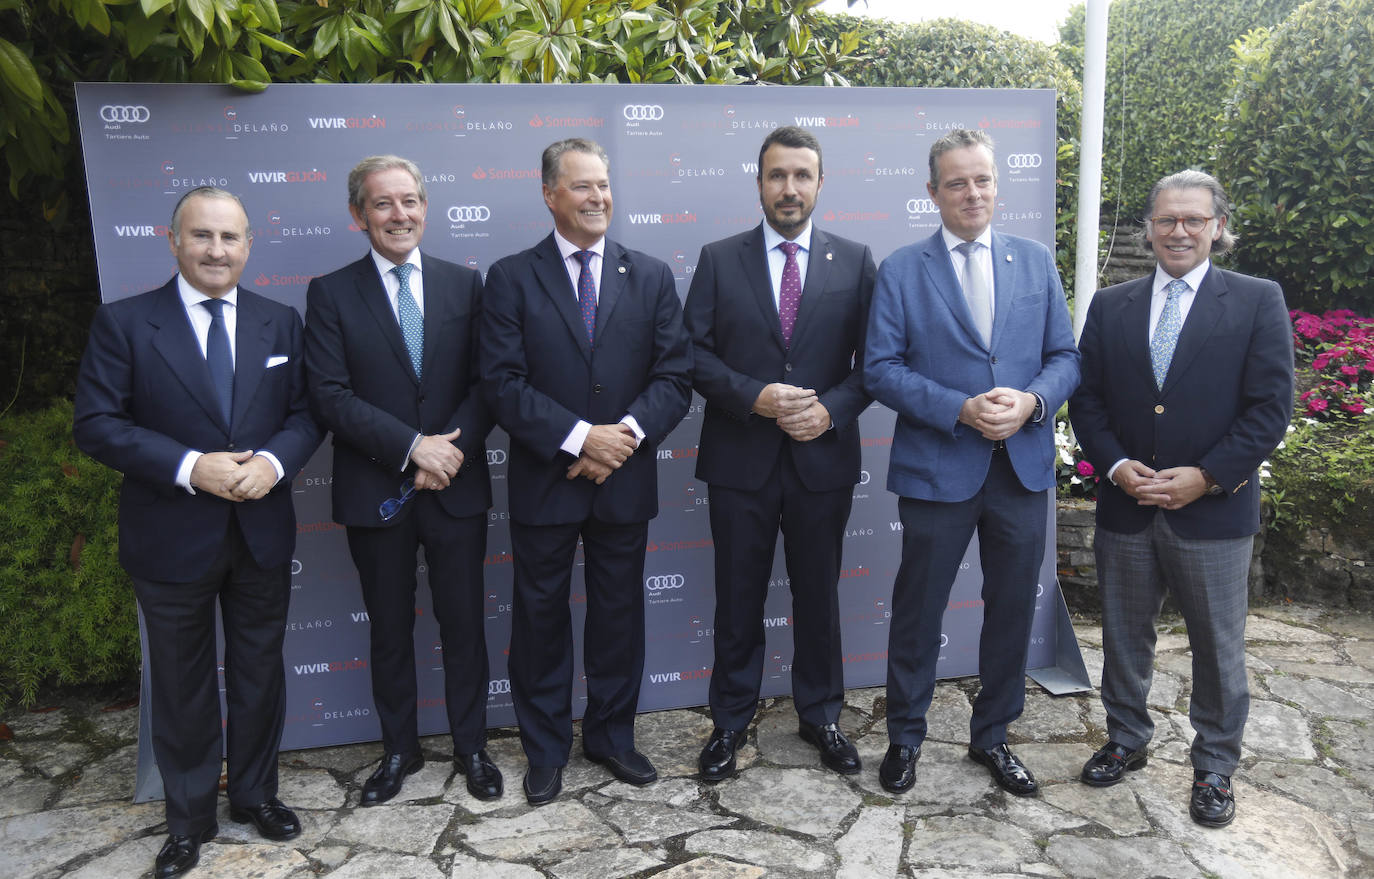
144,398
541,376
925,358
737,349
1225,404
363,386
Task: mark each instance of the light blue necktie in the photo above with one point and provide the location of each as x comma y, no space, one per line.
219,357
1165,339
412,321
976,290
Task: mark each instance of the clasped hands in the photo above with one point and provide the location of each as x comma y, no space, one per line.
998,413
606,447
1171,488
234,476
797,411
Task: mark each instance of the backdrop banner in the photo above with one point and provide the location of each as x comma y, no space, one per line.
683,165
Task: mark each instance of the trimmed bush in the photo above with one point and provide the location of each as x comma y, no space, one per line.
67,606
1297,155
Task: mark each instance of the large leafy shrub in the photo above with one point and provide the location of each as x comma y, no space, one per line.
1297,154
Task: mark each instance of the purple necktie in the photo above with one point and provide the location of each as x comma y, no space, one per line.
789,292
586,293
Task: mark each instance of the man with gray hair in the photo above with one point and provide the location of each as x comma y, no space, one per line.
1187,387
391,350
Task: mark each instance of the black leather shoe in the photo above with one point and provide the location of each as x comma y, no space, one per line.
1009,772
629,766
1212,803
898,770
181,853
273,820
385,783
836,752
484,779
1110,763
717,760
543,784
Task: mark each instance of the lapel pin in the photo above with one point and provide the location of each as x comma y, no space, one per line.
622,270
829,255
1009,257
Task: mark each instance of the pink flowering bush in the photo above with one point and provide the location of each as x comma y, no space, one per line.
1339,347
1074,474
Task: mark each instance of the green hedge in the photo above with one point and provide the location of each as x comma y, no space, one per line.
1297,155
67,606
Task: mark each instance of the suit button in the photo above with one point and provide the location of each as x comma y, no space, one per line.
787,368
994,358
596,389
232,448
1159,408
422,398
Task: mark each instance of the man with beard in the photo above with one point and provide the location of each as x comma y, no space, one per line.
777,317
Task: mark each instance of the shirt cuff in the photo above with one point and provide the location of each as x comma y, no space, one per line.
188,463
272,459
1111,471
1043,414
414,444
629,421
576,437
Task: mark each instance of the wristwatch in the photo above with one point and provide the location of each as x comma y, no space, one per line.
1213,487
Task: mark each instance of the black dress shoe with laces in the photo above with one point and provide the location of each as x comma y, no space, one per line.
898,770
1009,772
629,766
1110,763
484,779
181,853
717,760
273,820
385,783
1212,803
837,753
543,784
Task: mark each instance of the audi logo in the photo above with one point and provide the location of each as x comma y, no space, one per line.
1023,160
469,213
296,566
944,640
921,206
864,477
125,113
496,456
660,582
1039,589
498,687
642,112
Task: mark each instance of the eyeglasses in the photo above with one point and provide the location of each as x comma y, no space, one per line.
388,508
1192,225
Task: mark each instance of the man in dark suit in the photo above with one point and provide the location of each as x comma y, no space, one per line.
969,341
587,367
1187,387
779,362
196,393
391,352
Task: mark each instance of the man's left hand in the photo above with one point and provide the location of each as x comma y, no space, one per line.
588,468
1174,488
1008,410
807,424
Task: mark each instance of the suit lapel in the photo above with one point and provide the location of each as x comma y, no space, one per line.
1004,274
252,346
436,297
819,262
754,264
1135,329
615,275
1209,304
374,298
176,342
553,276
940,269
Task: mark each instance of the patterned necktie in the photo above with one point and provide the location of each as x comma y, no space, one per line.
586,293
412,321
790,290
1166,331
219,357
976,290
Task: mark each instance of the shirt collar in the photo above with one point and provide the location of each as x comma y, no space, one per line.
1193,278
566,248
772,237
385,265
952,241
191,297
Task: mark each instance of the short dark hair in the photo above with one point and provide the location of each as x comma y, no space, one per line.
1195,179
797,138
958,139
553,155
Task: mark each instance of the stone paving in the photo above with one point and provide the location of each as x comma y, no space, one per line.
1305,793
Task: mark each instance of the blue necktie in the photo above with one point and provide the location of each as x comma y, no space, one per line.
976,290
586,293
220,358
412,321
1165,339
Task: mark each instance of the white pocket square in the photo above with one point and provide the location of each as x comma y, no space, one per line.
276,360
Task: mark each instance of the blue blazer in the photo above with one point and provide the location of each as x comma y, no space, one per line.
1225,404
541,376
363,386
925,358
144,398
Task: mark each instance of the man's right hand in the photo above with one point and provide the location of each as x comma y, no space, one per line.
1132,476
437,454
609,444
215,471
777,400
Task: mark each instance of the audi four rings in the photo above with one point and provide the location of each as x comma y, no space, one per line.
659,582
469,213
1023,160
125,113
921,206
643,112
496,456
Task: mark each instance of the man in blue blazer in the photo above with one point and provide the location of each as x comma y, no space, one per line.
587,367
969,340
391,351
196,393
780,363
1187,387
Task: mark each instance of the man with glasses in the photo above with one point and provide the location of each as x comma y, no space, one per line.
1187,386
391,350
